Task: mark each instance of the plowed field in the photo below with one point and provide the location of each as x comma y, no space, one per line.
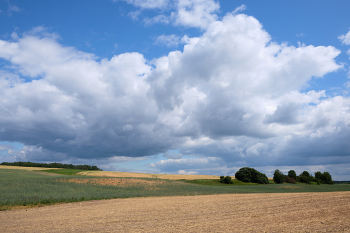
296,212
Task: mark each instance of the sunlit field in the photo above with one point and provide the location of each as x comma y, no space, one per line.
32,188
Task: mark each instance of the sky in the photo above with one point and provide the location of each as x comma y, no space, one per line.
177,86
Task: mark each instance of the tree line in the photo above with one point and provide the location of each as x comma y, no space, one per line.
250,175
52,165
304,177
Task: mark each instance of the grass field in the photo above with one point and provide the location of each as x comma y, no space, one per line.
28,188
63,171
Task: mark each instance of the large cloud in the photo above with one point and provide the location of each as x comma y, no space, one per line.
232,97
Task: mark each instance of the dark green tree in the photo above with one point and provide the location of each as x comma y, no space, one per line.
327,178
318,175
292,174
305,173
250,175
278,177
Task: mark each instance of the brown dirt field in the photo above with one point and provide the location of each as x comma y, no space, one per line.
296,212
116,182
146,175
26,168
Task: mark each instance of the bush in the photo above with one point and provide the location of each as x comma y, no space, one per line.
290,180
250,175
304,179
278,177
226,180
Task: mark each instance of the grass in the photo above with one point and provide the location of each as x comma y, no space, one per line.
64,171
29,188
217,182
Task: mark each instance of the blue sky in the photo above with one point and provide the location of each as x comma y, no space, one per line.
177,86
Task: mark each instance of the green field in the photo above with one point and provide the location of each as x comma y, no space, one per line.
28,188
63,171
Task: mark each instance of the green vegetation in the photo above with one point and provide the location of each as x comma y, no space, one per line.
290,180
217,182
62,171
278,177
324,178
28,188
292,174
226,180
52,165
250,175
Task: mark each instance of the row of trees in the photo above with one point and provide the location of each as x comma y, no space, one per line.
250,175
304,177
52,165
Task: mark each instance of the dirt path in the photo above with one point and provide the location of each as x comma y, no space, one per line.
303,212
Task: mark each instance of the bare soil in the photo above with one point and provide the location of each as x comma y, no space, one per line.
115,182
295,212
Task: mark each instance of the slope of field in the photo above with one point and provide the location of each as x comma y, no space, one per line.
32,188
146,175
294,212
26,168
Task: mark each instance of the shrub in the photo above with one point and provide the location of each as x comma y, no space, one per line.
226,180
290,180
278,177
247,174
304,179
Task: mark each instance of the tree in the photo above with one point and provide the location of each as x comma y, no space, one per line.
327,178
305,173
292,174
318,175
278,177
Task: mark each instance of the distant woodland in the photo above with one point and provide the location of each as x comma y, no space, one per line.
52,165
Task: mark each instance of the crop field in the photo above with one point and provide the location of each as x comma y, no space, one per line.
31,188
268,212
145,175
164,204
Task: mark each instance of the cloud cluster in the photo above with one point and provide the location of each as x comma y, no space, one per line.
232,97
148,4
170,40
345,39
186,13
195,13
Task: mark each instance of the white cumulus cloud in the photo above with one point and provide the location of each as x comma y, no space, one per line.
232,97
148,4
345,39
195,13
169,40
